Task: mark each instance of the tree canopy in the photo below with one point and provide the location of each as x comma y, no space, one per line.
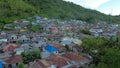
105,52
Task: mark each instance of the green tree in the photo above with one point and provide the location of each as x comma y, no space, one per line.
112,57
85,31
21,65
36,28
31,55
68,48
102,65
1,25
90,44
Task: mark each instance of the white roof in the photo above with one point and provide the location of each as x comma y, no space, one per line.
3,40
74,40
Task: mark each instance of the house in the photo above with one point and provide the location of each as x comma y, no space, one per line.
35,45
18,51
118,33
77,49
38,45
3,40
82,36
8,26
40,64
3,34
34,39
59,61
45,54
96,31
66,42
109,33
34,23
41,42
23,39
25,46
59,47
24,23
69,41
77,60
51,49
54,30
13,38
10,47
18,27
76,41
13,61
4,55
38,19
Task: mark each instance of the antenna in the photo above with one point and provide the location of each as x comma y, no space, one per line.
110,16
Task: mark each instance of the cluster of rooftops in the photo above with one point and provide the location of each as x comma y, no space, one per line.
51,42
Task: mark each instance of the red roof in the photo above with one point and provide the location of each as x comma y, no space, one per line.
78,48
75,57
14,59
40,64
10,47
73,67
53,28
59,47
58,60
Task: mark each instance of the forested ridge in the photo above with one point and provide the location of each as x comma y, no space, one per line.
16,9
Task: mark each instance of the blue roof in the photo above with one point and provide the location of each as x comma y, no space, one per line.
0,64
50,48
66,42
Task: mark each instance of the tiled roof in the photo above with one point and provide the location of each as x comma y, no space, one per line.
78,48
40,64
14,59
59,47
75,57
10,47
73,67
58,60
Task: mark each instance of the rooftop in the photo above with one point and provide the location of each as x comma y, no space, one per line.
14,59
75,57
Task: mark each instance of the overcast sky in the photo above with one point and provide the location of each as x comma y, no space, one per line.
105,6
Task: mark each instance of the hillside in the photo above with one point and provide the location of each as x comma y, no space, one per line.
14,9
67,10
